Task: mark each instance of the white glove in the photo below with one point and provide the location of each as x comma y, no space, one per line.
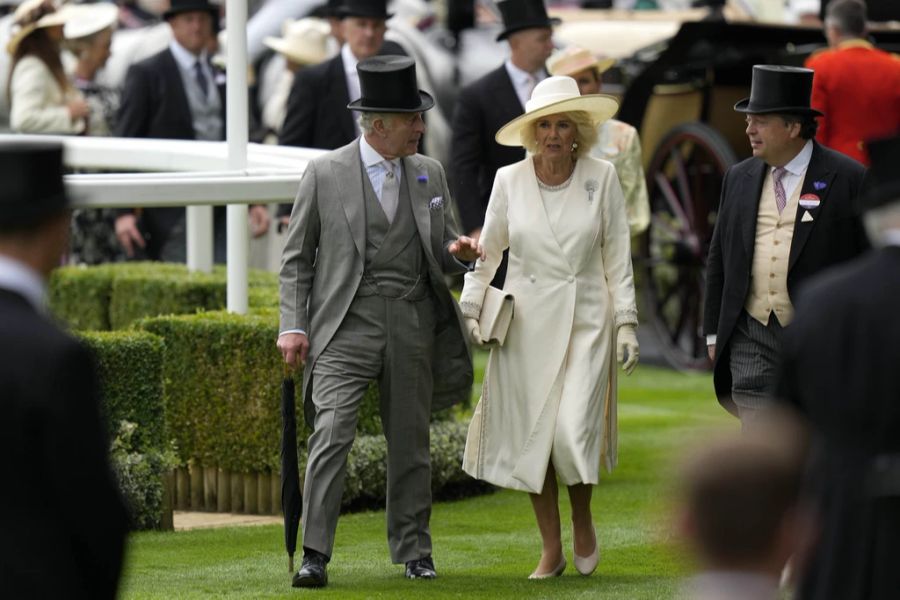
626,343
473,330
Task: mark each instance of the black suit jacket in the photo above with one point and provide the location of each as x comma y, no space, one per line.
841,369
834,235
155,105
62,520
482,108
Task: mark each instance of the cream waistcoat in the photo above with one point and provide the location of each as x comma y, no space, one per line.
771,251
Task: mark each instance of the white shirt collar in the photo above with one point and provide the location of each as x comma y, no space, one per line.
18,277
185,58
349,59
890,237
798,165
370,156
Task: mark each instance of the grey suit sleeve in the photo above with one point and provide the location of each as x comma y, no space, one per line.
299,256
449,263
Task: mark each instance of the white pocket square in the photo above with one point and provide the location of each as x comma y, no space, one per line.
806,217
436,203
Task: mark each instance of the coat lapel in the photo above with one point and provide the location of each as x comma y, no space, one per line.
748,209
181,108
539,213
340,97
418,198
347,172
817,181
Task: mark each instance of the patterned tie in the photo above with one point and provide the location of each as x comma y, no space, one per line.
780,197
201,78
390,191
528,85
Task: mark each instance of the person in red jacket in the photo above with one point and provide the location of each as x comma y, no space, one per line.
856,85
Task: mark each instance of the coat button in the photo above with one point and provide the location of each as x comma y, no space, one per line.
571,279
532,278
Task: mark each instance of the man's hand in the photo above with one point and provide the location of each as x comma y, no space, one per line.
259,220
627,345
294,347
711,350
128,234
475,234
466,249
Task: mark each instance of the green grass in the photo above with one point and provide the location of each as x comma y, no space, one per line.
484,547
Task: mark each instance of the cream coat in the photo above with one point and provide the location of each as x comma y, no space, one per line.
550,391
37,104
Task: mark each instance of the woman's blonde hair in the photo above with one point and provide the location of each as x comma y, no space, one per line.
585,133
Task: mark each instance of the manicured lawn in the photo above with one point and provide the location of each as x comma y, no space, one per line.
484,547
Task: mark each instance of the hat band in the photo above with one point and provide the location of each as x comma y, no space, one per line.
407,102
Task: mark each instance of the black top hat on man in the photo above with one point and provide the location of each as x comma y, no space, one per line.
177,7
372,9
779,89
523,14
388,84
881,185
32,190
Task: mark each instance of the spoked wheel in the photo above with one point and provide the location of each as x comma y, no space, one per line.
684,181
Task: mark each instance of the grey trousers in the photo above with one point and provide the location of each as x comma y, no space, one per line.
755,351
390,341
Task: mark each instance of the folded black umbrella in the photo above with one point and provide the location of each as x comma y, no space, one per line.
291,497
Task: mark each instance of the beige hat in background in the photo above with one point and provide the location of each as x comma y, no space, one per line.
573,60
32,15
552,96
304,41
88,19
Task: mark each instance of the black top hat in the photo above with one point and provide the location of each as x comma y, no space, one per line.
388,84
32,190
881,185
374,9
182,6
523,14
779,89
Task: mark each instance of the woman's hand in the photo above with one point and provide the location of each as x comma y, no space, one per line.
78,109
473,330
627,344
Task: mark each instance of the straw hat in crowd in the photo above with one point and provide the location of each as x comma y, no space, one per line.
304,41
574,60
32,15
555,95
87,19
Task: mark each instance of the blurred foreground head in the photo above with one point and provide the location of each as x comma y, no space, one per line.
741,500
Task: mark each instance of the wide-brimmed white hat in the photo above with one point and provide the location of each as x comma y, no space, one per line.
32,15
303,41
557,94
88,19
574,59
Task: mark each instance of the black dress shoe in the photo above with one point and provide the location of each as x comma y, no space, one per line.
421,568
313,572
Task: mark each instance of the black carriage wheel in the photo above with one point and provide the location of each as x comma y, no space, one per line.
684,180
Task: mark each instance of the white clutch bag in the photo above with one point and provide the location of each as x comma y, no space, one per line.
496,315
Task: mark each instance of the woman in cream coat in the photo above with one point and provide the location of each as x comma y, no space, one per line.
548,406
41,98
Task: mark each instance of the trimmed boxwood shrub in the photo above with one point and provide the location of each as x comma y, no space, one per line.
113,296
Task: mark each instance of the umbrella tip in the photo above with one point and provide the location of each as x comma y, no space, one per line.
291,564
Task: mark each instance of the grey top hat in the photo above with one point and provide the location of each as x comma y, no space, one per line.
183,6
388,84
523,14
779,89
881,185
32,190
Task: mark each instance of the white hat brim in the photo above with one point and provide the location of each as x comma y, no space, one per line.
87,19
600,107
294,53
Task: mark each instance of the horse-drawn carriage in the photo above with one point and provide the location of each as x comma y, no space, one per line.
679,93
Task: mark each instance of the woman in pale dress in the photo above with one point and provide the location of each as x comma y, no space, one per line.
548,406
41,98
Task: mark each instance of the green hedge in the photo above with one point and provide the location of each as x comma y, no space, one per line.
113,296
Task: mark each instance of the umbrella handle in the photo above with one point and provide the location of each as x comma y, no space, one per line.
291,563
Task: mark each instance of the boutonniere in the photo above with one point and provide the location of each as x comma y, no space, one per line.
591,186
810,201
422,178
437,203
819,185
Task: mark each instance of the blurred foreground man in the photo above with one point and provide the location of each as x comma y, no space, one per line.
62,521
363,297
842,371
785,214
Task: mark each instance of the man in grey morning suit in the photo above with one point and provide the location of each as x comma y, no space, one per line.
363,297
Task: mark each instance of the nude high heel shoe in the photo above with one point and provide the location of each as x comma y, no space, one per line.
587,564
554,573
